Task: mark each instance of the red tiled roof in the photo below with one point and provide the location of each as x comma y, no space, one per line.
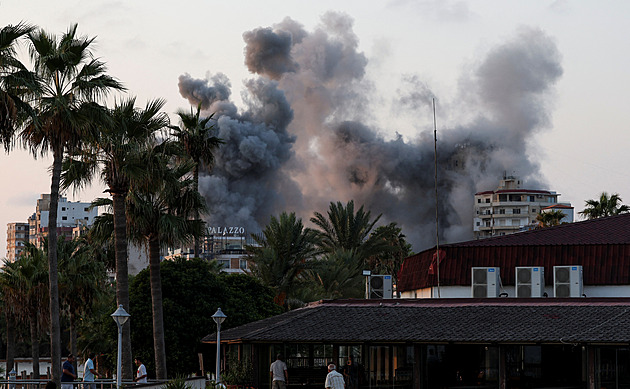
563,206
601,246
578,320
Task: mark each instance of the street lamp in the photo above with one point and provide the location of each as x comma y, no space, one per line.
120,317
218,318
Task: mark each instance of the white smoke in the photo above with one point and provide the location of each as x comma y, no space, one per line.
303,139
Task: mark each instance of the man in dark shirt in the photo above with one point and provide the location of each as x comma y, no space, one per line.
68,375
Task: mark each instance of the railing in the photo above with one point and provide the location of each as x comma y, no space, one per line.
19,383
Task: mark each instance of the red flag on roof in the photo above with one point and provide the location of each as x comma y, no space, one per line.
442,253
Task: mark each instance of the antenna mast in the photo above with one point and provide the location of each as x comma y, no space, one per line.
437,229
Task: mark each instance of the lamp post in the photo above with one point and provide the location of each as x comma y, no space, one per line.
218,318
120,317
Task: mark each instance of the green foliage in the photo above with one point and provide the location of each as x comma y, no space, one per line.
191,293
605,206
239,372
549,218
177,383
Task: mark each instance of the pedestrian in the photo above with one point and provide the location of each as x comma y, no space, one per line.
141,375
334,379
67,374
278,373
89,372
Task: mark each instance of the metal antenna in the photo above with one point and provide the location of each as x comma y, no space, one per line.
437,229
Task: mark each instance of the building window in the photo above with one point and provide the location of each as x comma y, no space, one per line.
478,201
64,218
533,210
87,218
532,199
63,208
242,264
225,263
516,210
488,200
503,198
502,211
478,224
86,209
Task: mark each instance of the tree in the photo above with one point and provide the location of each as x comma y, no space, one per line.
335,275
389,261
119,151
63,111
605,206
82,281
15,79
345,229
281,253
196,137
24,283
191,289
549,218
159,216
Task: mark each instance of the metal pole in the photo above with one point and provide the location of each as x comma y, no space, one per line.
437,229
119,364
218,371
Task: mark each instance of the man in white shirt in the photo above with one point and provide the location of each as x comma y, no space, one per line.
278,372
89,372
334,379
141,375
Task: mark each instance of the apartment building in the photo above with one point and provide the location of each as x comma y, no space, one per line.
17,235
511,208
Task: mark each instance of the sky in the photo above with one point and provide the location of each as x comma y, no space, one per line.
332,100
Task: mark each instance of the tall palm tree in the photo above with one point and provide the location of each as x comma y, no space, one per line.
118,150
196,136
24,283
15,79
549,218
605,206
345,229
64,112
390,259
160,216
281,253
335,275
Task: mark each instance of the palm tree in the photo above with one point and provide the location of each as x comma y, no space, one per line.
15,79
82,280
64,112
195,135
159,214
605,206
119,152
345,229
281,253
390,259
335,275
24,285
549,218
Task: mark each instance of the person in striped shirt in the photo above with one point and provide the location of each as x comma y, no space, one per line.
334,379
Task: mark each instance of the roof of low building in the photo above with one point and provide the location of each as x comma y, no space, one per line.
601,246
498,320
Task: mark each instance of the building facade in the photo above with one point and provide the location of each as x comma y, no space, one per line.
511,208
17,235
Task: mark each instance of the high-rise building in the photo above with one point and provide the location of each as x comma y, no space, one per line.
17,235
510,208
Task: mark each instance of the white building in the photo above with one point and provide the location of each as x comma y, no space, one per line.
511,208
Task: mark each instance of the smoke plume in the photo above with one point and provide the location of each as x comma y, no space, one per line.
304,137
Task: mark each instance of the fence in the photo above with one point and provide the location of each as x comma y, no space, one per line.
19,383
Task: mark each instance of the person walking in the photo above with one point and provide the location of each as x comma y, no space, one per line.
89,373
334,379
141,375
278,373
67,373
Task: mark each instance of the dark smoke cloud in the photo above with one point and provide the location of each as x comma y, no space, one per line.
304,138
206,91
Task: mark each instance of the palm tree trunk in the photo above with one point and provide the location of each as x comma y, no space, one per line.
11,335
53,275
73,337
196,183
34,345
156,298
122,276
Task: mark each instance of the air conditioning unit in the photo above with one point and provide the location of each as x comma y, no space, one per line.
530,281
380,287
485,282
567,281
